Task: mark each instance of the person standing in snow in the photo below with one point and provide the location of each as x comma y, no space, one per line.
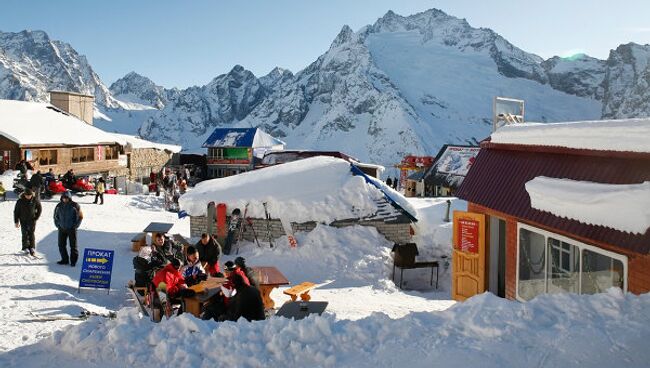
389,182
395,183
67,218
36,183
26,212
209,252
99,190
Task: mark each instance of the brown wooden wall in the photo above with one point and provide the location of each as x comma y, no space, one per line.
8,145
638,265
64,162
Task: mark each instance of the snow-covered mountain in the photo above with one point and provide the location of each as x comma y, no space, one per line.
402,85
31,64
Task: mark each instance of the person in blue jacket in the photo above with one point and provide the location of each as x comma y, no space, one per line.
67,218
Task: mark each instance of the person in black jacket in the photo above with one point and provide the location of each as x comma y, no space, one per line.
36,183
246,303
67,218
209,252
240,263
27,211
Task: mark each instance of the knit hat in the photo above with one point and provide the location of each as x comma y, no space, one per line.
230,266
66,194
240,261
28,192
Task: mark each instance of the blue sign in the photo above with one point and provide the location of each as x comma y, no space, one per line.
96,269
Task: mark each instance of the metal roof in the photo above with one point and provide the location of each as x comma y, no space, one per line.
498,176
231,137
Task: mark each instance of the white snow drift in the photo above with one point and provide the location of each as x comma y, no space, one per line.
631,135
594,203
315,189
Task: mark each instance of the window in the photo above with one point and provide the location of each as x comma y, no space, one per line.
215,153
83,154
550,263
47,157
111,153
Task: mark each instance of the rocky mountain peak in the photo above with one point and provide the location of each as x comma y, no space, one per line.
344,36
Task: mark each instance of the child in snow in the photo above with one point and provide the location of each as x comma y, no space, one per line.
193,271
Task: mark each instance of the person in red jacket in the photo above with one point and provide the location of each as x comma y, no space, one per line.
170,275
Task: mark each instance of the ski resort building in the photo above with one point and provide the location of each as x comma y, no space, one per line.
49,137
233,150
446,174
144,157
304,194
556,208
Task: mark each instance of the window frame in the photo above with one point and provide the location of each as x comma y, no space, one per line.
112,149
580,245
49,163
72,155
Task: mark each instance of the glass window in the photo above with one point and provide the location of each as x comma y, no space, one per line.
111,152
563,267
47,157
550,263
600,272
532,264
83,154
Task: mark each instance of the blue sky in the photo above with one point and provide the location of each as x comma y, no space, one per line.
183,43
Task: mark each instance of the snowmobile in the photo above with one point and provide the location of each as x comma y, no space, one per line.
81,186
20,184
55,186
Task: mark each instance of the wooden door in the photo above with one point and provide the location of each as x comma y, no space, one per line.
468,255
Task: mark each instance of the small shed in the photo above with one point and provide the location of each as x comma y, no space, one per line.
564,207
233,150
302,194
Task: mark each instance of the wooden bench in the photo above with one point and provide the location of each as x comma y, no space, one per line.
138,241
302,290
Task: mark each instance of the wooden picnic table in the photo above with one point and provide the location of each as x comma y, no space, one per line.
204,291
269,278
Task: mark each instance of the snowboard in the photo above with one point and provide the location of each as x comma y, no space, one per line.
286,225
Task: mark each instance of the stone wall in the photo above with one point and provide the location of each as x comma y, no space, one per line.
394,232
144,160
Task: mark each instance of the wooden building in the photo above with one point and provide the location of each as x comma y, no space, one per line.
518,243
51,138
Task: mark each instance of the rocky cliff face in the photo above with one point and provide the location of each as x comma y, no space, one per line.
401,85
31,64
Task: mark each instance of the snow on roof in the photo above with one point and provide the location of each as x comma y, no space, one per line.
602,135
138,143
241,137
314,189
624,207
41,123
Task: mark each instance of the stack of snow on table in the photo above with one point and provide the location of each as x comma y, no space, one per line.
318,189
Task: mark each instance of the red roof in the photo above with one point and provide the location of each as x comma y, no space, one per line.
498,176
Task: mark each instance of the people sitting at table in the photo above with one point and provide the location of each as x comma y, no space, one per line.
218,305
164,249
247,302
193,271
209,252
240,263
170,281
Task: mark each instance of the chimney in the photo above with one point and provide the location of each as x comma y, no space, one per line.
75,104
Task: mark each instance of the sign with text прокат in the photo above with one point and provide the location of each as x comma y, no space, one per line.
96,269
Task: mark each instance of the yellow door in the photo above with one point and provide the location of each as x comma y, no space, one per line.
468,276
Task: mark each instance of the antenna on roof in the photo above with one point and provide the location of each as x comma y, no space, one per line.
506,111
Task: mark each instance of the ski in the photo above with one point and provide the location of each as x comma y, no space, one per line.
250,223
83,315
268,224
138,298
242,225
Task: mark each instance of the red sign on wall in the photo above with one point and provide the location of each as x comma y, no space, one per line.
468,235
